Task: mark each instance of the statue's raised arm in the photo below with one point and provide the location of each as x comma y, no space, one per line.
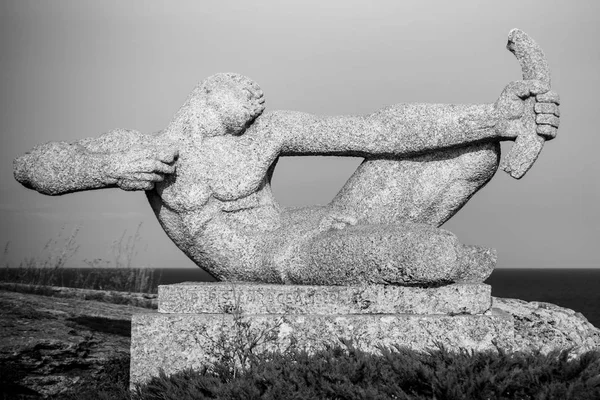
405,130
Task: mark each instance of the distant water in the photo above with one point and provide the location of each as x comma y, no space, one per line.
578,289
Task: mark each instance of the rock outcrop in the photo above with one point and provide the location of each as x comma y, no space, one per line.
546,327
49,345
145,300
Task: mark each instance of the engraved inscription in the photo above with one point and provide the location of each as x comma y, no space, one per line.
270,298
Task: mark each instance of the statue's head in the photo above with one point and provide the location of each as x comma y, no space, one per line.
236,99
222,104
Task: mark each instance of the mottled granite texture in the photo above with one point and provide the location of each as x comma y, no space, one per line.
207,177
256,298
180,340
530,141
198,322
546,327
175,342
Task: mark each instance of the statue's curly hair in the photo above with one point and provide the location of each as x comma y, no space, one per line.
246,90
236,99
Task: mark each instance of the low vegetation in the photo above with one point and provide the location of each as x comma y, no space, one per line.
343,372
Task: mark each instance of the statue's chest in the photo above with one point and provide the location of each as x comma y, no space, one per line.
216,168
188,188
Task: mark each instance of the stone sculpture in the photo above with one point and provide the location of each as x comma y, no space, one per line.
207,177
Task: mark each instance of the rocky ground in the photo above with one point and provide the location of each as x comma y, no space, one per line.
546,327
60,340
49,344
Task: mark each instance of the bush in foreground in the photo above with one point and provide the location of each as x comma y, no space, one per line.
348,373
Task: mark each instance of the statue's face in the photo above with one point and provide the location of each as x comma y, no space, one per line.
237,101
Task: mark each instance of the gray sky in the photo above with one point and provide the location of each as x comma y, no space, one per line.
76,68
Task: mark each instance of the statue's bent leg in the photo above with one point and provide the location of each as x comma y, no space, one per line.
427,189
407,254
394,208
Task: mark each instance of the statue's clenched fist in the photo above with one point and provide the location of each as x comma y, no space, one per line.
511,109
140,167
548,114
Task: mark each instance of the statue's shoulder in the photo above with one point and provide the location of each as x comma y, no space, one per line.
276,120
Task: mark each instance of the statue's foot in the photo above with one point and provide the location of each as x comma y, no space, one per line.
408,254
476,264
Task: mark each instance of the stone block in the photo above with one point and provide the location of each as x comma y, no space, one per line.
174,342
199,322
255,298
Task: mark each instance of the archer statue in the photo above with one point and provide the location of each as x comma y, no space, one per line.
207,177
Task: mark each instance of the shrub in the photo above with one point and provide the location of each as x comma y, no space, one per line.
344,372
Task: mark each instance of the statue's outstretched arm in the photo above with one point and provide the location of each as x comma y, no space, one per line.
410,129
119,158
399,130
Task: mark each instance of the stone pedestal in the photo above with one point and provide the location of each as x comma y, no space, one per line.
197,323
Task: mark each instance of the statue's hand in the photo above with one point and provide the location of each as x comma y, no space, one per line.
510,109
140,167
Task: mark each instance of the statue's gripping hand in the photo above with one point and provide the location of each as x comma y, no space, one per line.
511,109
140,167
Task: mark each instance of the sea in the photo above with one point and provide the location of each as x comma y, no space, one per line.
577,289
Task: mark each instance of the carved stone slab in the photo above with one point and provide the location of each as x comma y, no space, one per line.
249,298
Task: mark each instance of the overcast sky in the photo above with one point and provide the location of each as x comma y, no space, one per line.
78,68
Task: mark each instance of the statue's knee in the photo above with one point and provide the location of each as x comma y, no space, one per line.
447,182
479,162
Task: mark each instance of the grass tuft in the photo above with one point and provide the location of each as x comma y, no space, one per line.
118,274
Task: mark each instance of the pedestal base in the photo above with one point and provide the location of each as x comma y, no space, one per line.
193,334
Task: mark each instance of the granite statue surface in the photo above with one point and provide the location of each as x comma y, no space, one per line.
207,177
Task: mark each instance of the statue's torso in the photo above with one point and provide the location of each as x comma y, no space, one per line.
207,207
